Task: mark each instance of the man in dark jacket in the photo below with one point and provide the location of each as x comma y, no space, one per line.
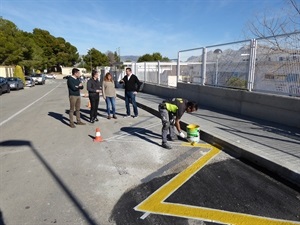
74,86
171,112
132,85
93,87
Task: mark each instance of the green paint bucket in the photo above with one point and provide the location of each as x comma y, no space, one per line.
193,133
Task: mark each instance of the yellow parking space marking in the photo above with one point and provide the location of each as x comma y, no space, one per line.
197,145
166,190
155,203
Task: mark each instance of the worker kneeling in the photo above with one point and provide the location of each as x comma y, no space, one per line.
171,112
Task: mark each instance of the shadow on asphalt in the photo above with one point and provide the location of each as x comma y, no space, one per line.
69,194
59,117
82,116
1,219
142,133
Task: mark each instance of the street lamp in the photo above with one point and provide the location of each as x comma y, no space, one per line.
217,52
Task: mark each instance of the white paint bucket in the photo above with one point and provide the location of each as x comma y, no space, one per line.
193,133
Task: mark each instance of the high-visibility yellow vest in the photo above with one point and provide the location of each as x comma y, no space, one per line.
171,107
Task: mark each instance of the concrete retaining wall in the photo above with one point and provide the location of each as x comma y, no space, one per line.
280,109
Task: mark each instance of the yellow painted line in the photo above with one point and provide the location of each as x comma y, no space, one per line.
155,202
198,145
214,215
166,190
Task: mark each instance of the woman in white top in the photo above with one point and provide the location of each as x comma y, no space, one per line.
109,95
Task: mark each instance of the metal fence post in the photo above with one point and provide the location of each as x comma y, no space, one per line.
178,68
203,75
251,73
145,71
158,72
135,68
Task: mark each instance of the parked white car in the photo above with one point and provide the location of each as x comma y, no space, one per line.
50,76
29,82
39,78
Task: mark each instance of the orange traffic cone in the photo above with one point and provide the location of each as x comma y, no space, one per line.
89,104
98,137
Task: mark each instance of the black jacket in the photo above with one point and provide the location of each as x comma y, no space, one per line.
93,86
133,84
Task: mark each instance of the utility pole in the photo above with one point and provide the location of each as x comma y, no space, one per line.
90,51
119,54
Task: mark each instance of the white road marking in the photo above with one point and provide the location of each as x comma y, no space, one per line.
12,151
145,215
5,121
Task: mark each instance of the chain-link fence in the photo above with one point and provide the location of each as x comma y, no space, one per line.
164,73
277,66
269,64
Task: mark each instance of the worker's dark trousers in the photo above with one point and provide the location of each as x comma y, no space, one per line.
168,123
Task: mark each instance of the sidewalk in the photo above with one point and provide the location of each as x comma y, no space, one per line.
268,145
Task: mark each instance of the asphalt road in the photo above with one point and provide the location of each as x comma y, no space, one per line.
53,174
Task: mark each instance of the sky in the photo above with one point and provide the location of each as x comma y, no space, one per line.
138,27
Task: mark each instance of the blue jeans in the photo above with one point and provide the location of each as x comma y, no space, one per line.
110,101
130,96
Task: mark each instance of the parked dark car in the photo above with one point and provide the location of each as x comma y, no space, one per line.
4,86
29,82
39,78
15,83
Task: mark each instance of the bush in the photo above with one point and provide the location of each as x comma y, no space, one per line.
236,82
19,73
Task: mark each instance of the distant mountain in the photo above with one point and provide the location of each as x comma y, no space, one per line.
131,58
194,59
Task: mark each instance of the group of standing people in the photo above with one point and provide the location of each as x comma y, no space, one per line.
170,111
108,92
94,88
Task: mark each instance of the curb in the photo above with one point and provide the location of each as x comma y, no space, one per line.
291,178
